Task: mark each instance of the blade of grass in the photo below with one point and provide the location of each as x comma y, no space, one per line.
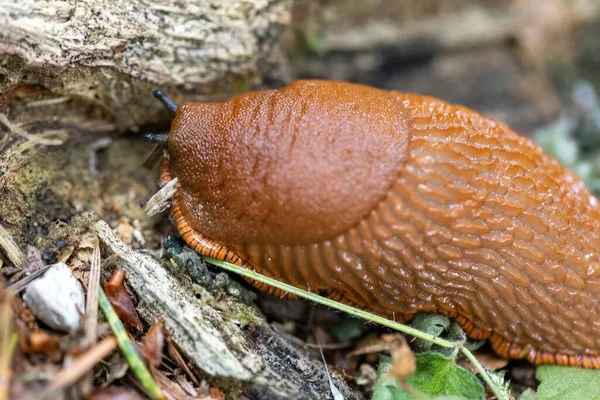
135,363
332,303
364,315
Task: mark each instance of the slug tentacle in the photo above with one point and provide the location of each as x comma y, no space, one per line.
167,102
156,137
448,212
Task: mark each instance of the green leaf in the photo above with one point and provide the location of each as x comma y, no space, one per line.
443,327
436,376
568,383
529,394
348,329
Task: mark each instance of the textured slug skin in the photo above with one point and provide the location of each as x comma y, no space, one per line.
397,204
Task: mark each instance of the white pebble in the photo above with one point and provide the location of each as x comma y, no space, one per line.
56,298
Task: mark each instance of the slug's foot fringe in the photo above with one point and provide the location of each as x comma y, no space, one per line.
513,350
200,244
516,351
206,247
472,331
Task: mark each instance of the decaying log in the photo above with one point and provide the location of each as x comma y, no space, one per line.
256,359
112,54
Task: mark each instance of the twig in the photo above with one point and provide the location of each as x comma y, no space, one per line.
32,138
364,315
90,322
160,201
22,283
10,247
98,145
154,156
91,306
196,328
69,375
176,356
135,363
47,102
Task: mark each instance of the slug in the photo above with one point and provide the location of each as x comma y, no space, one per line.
395,203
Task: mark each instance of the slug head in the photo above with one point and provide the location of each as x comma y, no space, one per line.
296,165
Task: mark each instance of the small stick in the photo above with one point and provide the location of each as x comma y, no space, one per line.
32,138
69,375
160,201
154,156
12,250
91,306
21,284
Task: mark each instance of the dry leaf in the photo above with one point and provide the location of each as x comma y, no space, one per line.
216,394
152,345
489,361
34,259
38,341
120,299
81,258
404,363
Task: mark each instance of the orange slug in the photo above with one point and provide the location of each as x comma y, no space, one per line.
395,203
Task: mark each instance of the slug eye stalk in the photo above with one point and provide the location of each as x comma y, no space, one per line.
168,103
156,137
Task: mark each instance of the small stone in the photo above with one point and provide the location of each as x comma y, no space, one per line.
56,298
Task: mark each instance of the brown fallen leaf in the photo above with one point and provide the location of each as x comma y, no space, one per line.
216,394
38,341
24,314
404,363
173,390
152,345
489,361
121,301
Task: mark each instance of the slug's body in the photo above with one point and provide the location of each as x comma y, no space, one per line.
398,204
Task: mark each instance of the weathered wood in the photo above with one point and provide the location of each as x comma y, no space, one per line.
255,358
113,53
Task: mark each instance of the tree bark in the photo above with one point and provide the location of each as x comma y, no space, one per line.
112,54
